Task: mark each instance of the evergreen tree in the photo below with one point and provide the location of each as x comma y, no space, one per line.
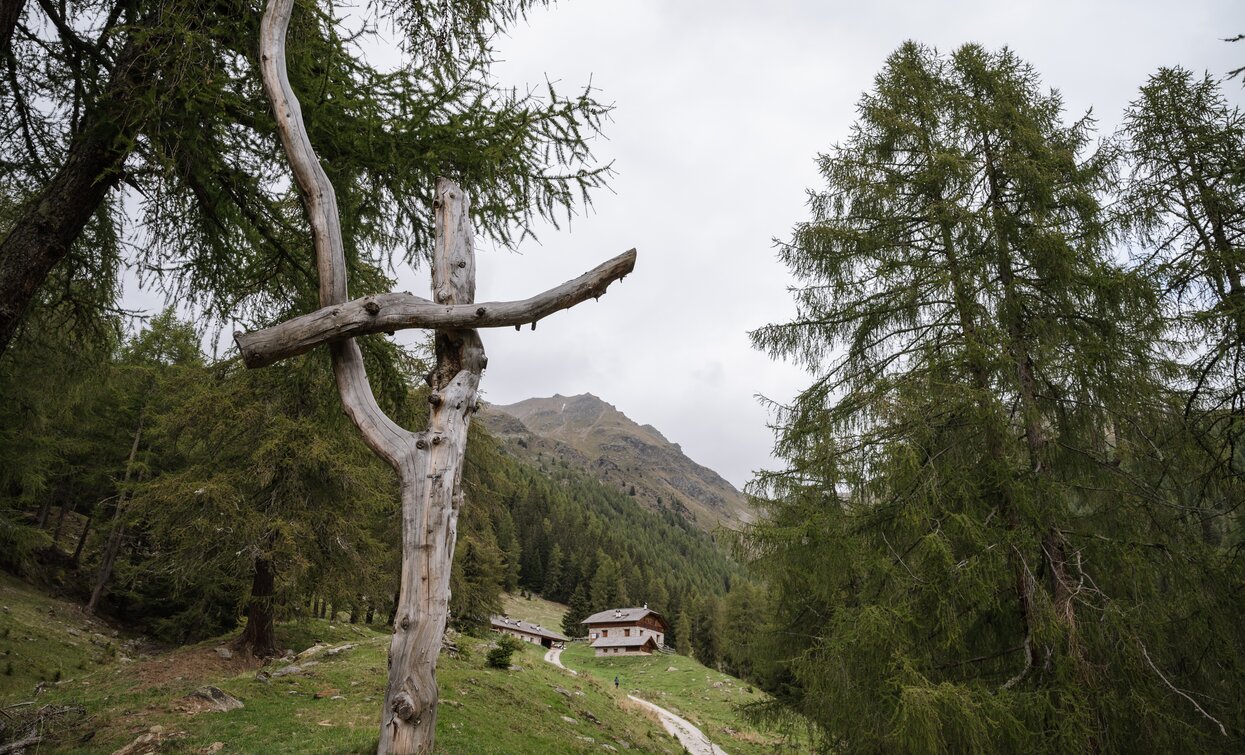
166,95
605,585
579,609
1185,203
705,630
683,634
955,551
552,582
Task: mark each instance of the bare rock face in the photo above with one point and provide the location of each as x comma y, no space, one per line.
636,459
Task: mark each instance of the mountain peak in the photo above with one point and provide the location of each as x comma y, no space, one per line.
588,431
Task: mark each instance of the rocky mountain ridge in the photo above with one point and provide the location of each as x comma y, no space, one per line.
590,433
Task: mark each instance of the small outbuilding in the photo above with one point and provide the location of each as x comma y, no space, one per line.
626,631
528,632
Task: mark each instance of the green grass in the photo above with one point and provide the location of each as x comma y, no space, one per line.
43,639
707,698
534,610
482,710
126,692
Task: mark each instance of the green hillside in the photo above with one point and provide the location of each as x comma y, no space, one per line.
331,706
709,699
534,609
126,686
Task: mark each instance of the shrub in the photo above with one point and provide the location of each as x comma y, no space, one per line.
499,657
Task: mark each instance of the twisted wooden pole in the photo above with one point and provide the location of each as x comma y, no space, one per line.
429,463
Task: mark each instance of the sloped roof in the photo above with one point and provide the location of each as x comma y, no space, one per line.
624,616
505,622
622,642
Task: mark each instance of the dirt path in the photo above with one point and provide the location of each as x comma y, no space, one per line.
692,738
683,730
554,656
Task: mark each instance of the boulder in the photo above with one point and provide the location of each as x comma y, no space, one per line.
215,699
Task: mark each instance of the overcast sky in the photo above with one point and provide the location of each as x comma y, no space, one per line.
720,110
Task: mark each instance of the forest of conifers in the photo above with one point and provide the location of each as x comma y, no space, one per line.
1010,516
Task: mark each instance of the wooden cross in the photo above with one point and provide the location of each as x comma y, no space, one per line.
428,463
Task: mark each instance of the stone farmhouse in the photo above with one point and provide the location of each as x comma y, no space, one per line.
626,631
533,633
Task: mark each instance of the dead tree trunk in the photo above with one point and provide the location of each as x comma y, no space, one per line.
432,493
428,463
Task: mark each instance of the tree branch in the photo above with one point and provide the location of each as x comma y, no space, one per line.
389,312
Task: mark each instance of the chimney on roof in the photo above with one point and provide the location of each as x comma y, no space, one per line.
646,606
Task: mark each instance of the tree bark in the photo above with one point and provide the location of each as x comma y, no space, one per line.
432,494
259,638
387,312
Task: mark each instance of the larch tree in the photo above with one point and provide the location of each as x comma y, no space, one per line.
961,551
163,100
1184,202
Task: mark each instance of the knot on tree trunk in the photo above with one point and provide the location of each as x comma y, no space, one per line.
404,708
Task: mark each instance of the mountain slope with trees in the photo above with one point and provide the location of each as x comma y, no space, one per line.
177,494
637,459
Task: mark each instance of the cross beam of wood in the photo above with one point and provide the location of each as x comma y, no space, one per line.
428,463
385,313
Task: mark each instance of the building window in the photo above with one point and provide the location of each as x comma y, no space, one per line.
605,633
626,633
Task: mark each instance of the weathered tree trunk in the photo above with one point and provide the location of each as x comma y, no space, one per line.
371,613
432,493
259,637
428,463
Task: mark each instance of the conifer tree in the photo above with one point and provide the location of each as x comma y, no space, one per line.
963,553
578,610
1184,201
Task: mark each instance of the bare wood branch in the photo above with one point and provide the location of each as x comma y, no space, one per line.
386,313
382,435
1180,692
